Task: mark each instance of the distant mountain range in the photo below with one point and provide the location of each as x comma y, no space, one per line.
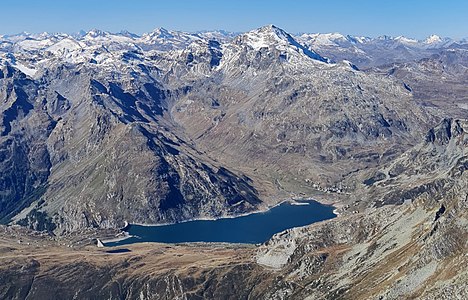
362,51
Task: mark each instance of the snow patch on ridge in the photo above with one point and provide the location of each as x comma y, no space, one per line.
26,70
65,45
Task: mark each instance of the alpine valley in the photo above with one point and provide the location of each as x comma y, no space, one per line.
100,129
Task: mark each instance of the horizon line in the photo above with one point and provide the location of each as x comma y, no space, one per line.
84,32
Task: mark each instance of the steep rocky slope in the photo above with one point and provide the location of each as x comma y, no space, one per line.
438,82
81,153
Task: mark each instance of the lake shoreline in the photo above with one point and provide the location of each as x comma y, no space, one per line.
124,234
260,211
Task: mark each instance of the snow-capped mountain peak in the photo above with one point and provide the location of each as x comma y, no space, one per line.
273,30
265,37
405,40
161,33
271,36
433,39
358,39
218,35
331,39
128,34
326,38
95,33
163,39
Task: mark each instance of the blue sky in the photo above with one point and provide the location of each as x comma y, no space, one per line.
412,18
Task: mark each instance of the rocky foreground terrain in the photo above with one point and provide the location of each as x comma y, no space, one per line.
101,129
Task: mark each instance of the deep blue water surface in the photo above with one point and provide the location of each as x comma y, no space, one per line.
252,229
